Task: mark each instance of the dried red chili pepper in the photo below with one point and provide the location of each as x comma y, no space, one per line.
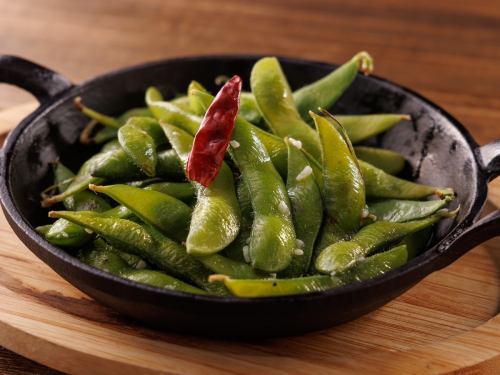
212,138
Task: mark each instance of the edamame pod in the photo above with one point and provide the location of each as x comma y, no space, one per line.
216,217
67,234
167,214
171,114
104,135
272,241
111,145
398,211
362,127
193,103
147,243
139,138
249,288
416,242
343,255
275,102
43,229
182,102
325,92
229,267
111,262
132,260
382,185
80,182
389,161
343,188
307,210
116,166
183,191
63,232
248,108
376,265
238,249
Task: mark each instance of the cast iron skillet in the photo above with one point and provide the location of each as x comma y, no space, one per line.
439,149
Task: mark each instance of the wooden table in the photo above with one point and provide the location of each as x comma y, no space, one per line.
447,50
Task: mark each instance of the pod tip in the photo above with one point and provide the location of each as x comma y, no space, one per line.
78,103
217,278
444,193
49,201
95,188
53,214
406,117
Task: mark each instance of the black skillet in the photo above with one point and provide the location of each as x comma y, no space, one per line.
439,149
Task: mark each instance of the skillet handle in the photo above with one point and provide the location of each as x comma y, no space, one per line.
485,228
43,83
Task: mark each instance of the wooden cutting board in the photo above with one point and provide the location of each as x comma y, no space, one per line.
448,323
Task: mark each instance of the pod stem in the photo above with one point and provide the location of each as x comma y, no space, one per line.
217,278
96,188
99,117
365,62
85,135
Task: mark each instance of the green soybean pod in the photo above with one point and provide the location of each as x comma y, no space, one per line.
145,242
343,188
254,288
382,185
183,191
63,232
249,109
132,260
397,210
139,138
274,99
362,127
111,262
104,135
79,183
307,209
389,161
343,255
43,229
416,242
272,241
170,113
169,215
182,102
193,103
376,265
216,217
232,268
325,92
238,249
116,166
134,112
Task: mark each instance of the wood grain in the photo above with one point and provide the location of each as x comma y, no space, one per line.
448,323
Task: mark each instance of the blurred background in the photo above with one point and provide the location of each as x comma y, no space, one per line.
448,50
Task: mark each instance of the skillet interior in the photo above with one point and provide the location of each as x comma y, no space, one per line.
438,153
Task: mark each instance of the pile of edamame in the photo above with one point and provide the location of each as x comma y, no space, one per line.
285,203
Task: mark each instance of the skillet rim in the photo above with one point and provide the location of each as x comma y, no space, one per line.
420,266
